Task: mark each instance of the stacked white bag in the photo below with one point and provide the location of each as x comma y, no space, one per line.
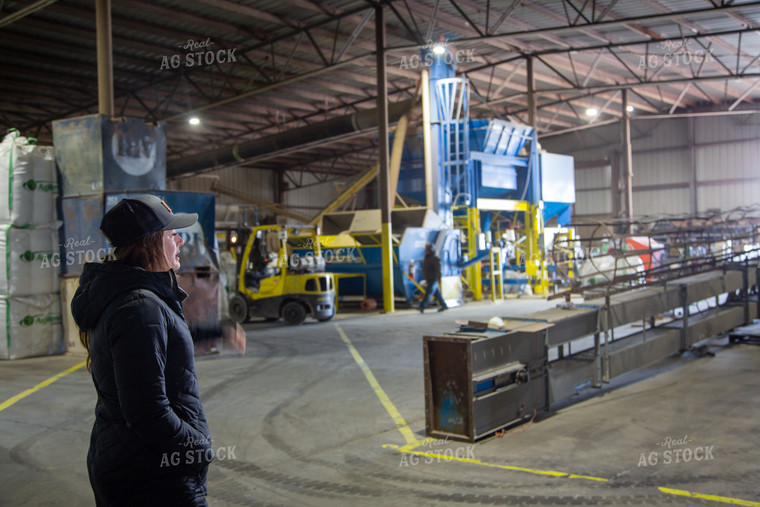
30,304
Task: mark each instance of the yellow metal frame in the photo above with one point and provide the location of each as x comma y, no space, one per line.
472,276
571,254
475,273
535,254
389,305
339,276
417,285
530,251
497,263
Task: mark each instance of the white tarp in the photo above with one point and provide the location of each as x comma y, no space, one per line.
28,183
29,260
31,326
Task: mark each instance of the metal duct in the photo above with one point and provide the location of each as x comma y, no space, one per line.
357,122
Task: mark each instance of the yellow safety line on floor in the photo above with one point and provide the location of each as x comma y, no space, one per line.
409,450
401,424
39,386
413,443
411,440
712,498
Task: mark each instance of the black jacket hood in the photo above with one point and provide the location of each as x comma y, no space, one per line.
100,283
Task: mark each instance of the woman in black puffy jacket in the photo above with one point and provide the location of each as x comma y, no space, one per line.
150,443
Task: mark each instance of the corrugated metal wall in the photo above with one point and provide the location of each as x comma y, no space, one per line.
585,145
245,186
306,196
719,169
312,196
592,194
253,184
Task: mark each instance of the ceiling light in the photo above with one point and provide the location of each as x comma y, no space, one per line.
194,121
629,109
592,111
438,50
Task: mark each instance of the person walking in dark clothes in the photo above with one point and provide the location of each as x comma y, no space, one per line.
431,272
150,444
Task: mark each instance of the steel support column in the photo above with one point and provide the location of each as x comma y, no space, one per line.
693,204
531,94
617,183
399,136
625,131
105,57
427,146
383,173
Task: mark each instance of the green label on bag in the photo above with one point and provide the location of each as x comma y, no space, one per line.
42,186
40,319
44,257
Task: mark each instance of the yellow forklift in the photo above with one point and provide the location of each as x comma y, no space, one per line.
275,281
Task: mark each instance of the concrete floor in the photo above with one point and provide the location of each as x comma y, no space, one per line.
301,425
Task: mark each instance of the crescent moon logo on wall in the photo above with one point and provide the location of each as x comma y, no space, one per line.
135,158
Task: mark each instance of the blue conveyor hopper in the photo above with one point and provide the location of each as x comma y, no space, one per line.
352,248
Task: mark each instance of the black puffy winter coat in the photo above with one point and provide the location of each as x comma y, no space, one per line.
150,443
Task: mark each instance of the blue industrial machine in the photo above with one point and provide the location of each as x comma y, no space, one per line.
484,179
488,177
352,249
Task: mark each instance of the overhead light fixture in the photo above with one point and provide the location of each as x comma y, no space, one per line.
592,111
438,50
629,109
194,121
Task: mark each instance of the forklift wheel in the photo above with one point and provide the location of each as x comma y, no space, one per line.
238,308
294,313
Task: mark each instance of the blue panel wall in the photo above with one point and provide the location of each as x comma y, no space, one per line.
80,237
96,154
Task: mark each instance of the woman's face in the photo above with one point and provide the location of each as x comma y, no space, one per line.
172,242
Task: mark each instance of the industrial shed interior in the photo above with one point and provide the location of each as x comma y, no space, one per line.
586,171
